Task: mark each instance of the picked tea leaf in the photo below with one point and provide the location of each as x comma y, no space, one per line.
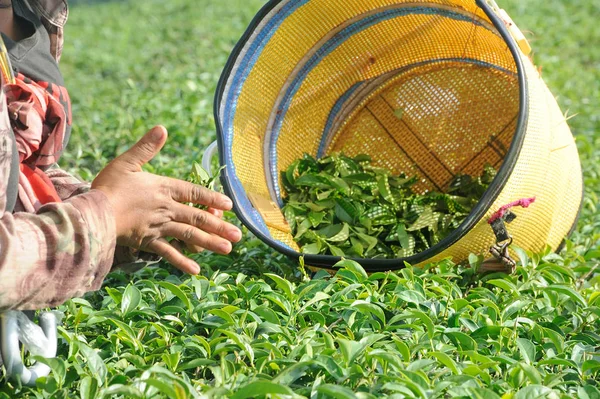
345,206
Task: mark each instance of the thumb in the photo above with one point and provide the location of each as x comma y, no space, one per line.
145,149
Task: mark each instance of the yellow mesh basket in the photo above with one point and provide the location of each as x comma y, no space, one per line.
431,89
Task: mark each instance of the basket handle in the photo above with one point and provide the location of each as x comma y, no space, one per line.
10,324
209,153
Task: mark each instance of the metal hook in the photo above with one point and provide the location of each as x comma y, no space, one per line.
11,352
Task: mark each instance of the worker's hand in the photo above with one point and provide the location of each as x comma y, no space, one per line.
149,208
180,246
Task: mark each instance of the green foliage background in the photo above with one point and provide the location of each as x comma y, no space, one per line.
242,331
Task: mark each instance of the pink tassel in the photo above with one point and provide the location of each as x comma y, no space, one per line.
523,203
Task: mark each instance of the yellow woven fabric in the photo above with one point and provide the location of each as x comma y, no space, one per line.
548,168
438,96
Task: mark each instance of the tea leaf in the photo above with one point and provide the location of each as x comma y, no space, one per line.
261,388
131,299
364,211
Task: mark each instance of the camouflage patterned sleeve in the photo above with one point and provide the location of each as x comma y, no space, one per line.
67,186
61,252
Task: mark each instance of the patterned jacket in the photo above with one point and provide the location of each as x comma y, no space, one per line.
67,248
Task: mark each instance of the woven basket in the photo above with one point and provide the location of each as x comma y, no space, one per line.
431,89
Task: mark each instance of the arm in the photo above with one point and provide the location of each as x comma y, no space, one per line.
66,249
68,186
61,252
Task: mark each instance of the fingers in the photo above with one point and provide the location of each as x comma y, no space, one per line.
162,248
194,249
217,212
206,221
144,150
193,236
182,191
178,245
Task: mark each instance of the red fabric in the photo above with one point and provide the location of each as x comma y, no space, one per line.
41,185
524,203
39,121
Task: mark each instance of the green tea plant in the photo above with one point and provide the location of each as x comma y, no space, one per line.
417,333
345,206
200,176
